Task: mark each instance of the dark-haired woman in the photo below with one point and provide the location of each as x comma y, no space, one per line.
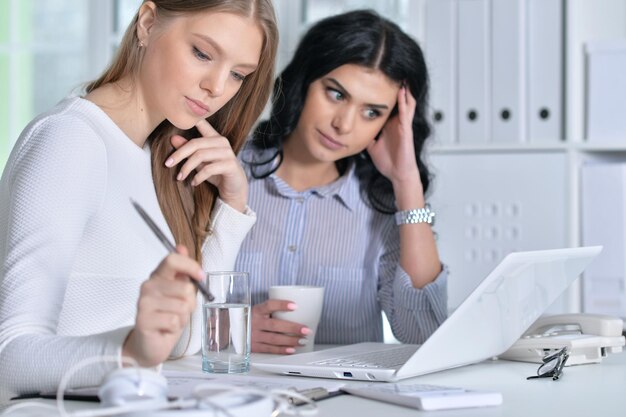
338,181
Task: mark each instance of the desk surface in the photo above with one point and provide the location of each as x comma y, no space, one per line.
583,391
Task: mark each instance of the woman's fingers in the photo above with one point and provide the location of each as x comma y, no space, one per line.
402,101
268,307
181,289
188,148
406,106
177,141
278,339
273,349
411,104
156,321
166,302
212,159
174,312
184,147
171,305
176,266
204,157
213,170
206,129
271,335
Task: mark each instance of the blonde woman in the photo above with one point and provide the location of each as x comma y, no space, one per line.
74,255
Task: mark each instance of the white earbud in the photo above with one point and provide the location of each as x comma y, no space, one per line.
142,392
130,390
132,384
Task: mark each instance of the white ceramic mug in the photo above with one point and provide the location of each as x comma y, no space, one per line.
309,301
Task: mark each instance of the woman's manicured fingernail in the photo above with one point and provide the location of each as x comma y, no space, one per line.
292,306
169,162
290,350
179,176
305,330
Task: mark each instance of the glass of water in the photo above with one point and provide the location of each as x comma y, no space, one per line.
226,323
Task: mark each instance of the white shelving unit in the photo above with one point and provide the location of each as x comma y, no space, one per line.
555,210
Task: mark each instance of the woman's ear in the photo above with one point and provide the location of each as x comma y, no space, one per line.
145,20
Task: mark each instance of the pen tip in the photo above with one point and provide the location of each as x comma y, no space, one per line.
136,205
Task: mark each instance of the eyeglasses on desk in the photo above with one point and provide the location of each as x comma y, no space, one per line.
552,366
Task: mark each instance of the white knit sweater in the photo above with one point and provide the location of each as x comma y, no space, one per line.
74,252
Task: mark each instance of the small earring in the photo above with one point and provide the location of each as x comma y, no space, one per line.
141,44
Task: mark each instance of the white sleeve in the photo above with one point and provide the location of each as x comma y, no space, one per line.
229,228
53,183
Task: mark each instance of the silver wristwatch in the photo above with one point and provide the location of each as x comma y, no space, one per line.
420,215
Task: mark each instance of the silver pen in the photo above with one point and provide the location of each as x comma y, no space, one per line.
168,245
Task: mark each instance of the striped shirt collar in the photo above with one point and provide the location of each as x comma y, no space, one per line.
345,189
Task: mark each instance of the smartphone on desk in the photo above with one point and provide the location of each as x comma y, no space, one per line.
425,396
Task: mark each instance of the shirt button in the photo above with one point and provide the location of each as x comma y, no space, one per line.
292,248
300,200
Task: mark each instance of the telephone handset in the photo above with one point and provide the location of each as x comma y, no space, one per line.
588,338
597,324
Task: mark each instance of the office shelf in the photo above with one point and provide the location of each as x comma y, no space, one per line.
499,196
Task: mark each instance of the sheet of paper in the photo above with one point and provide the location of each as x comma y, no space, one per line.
181,384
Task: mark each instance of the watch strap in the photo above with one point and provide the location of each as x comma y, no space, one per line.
413,216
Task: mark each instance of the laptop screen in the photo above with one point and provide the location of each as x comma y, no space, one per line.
500,309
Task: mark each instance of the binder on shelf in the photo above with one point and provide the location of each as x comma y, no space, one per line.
545,70
474,68
603,222
508,60
441,56
606,91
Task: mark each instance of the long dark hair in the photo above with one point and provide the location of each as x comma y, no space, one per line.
359,37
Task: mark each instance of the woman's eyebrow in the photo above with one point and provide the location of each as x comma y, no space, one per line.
343,91
220,51
339,87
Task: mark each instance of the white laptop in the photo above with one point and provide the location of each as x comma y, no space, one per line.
485,325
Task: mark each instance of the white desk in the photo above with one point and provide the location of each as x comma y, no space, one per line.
583,391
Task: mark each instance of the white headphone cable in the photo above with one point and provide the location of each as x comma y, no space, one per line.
280,397
60,407
78,366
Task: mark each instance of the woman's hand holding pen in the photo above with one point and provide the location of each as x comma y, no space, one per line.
213,159
270,335
166,302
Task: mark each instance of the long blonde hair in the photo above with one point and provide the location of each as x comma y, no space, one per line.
188,209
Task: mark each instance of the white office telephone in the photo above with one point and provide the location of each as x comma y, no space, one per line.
588,338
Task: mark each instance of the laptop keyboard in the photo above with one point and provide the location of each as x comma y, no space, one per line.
389,358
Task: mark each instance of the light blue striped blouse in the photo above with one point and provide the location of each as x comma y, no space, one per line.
328,236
